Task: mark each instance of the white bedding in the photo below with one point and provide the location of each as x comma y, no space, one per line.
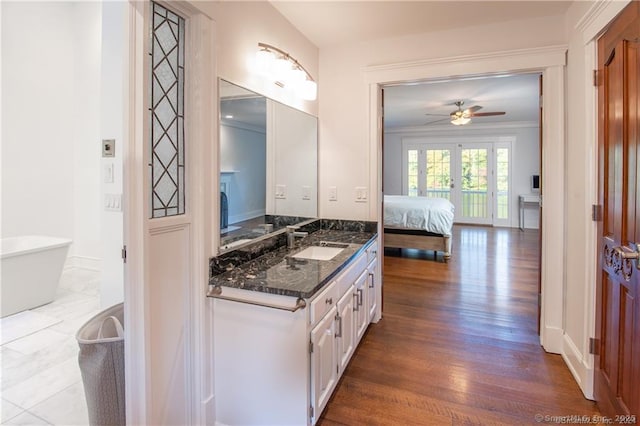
421,213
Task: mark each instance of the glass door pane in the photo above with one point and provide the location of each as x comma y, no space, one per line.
412,173
475,196
502,183
438,173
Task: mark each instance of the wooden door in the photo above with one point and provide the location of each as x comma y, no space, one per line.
617,381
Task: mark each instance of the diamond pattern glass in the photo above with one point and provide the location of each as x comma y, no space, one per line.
167,118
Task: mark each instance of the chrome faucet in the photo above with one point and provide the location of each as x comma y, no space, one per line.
292,234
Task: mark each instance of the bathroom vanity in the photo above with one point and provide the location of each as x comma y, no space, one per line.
288,320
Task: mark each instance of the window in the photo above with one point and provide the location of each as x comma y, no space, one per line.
167,113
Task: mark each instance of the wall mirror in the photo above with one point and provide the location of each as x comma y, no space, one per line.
268,166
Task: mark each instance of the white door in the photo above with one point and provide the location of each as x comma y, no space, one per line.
345,332
360,305
166,227
324,365
372,284
473,192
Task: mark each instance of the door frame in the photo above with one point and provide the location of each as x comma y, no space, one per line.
202,80
551,63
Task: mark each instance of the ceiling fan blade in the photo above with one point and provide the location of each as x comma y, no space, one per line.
439,115
472,109
436,121
487,114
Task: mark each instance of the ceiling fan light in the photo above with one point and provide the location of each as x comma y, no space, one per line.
460,121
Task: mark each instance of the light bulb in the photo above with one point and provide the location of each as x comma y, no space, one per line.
460,121
264,60
280,69
308,90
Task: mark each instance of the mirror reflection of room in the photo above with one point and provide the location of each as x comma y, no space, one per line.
268,166
243,143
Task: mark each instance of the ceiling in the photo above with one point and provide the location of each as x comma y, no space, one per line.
516,95
327,23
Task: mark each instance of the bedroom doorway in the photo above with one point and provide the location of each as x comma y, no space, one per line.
485,166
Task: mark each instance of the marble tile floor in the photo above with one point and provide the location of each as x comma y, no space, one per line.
40,382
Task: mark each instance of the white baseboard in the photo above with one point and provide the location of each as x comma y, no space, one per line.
580,369
83,262
552,339
209,409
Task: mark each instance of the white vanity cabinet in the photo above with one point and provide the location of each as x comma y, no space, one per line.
324,359
373,283
274,367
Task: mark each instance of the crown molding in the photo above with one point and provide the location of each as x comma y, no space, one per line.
466,129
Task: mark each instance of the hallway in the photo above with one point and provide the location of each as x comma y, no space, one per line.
458,342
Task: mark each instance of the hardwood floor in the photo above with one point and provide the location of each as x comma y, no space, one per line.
458,342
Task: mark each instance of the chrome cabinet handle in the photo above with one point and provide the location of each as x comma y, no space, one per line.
339,318
355,303
328,301
372,283
360,293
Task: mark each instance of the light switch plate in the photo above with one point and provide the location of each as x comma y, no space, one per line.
333,193
281,192
362,195
108,173
306,192
113,202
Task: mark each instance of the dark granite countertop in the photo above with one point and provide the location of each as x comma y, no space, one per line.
273,273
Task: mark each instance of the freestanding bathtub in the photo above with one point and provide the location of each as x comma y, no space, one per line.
31,269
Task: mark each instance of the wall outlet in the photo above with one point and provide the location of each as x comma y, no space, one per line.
333,193
362,195
108,147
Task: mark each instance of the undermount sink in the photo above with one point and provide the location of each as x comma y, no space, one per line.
318,253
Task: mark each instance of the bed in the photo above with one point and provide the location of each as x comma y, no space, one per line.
418,222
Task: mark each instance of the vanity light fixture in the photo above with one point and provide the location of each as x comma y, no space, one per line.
285,71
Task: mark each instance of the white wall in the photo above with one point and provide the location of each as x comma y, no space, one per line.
243,151
112,126
525,156
240,27
345,141
50,92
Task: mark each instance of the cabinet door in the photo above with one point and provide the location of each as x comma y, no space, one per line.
345,332
360,304
372,290
323,362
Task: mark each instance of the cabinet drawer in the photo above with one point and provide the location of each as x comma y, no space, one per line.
351,274
323,303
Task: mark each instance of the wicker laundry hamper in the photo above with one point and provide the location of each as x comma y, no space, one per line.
101,359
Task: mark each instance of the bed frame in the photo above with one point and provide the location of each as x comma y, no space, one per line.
422,240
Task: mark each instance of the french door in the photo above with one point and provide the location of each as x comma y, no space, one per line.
473,176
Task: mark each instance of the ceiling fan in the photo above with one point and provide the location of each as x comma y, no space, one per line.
461,117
